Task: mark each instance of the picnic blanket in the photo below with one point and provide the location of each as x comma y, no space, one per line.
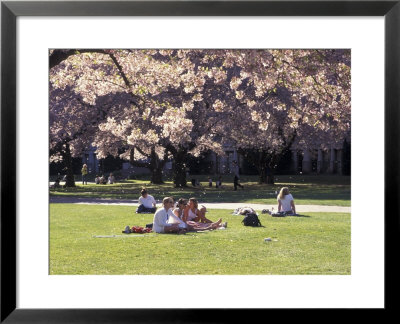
113,236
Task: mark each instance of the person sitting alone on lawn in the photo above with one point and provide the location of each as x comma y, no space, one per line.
161,222
286,202
181,212
147,203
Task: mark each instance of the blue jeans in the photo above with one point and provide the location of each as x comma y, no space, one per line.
142,209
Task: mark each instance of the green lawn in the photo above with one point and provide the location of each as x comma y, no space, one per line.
307,190
318,243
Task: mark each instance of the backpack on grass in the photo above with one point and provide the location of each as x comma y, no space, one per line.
251,219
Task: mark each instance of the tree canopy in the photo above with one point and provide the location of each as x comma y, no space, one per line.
157,104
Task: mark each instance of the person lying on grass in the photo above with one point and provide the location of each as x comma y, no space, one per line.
182,209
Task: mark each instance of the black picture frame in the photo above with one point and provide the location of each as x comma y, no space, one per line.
10,10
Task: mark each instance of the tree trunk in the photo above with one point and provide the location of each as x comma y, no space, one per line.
70,180
179,168
266,175
157,176
155,165
263,162
266,172
156,168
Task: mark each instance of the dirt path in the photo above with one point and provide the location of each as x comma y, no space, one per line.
232,206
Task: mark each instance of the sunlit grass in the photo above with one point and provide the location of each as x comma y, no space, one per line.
318,243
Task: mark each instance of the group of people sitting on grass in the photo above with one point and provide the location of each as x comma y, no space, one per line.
187,215
103,179
182,217
176,217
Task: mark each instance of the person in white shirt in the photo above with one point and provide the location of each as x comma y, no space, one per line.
147,203
161,222
286,202
111,179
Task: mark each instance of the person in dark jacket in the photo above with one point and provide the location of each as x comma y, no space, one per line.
236,183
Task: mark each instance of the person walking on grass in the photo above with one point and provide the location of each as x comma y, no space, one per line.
236,183
84,172
161,219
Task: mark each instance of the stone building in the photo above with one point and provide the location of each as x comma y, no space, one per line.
318,161
229,163
89,157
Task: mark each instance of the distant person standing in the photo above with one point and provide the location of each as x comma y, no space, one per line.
84,172
210,182
236,183
218,183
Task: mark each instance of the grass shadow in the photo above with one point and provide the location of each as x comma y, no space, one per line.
324,190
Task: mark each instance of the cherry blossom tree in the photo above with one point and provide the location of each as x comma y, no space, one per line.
289,99
164,114
73,125
171,103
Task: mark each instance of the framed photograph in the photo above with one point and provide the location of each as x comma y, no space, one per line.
31,291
